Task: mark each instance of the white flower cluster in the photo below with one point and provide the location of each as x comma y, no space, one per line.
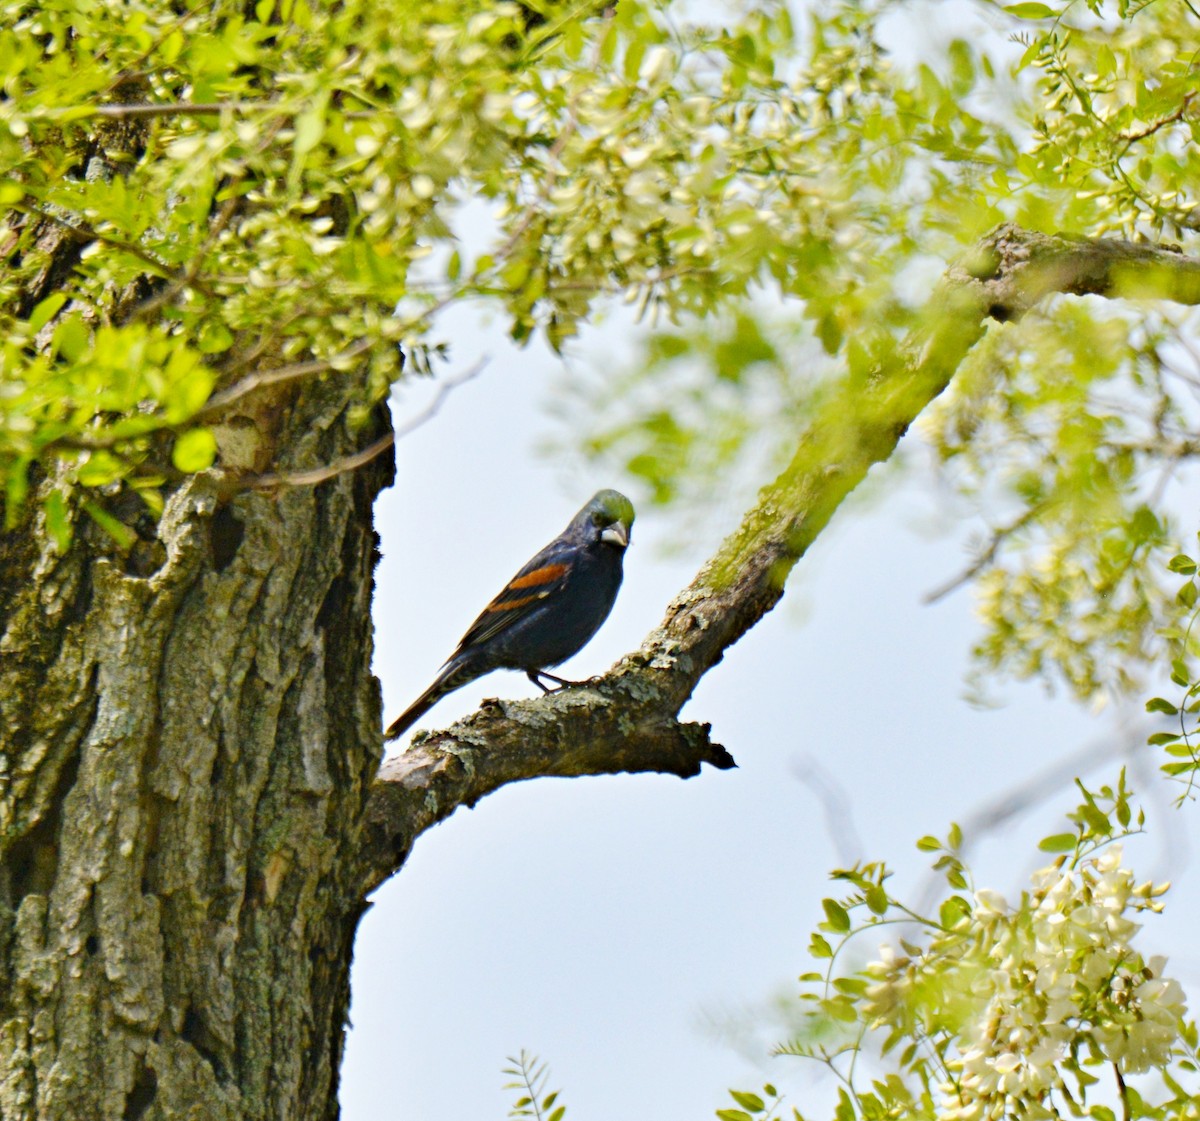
1014,992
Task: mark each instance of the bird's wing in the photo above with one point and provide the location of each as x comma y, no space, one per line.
536,583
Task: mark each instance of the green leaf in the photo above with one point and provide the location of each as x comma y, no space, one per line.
99,468
58,522
71,337
836,914
841,1008
214,338
877,899
1161,704
46,310
310,127
1158,739
194,450
733,1115
1059,842
1097,821
929,843
952,910
1030,10
117,530
1182,563
1031,52
751,1102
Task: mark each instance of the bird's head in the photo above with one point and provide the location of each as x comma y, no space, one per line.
607,518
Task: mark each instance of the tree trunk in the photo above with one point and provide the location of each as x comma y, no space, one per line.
189,728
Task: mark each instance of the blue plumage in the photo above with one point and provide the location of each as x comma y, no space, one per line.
547,612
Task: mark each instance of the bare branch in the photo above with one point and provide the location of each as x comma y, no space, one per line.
627,720
1171,118
447,387
143,110
360,459
322,474
279,375
985,558
78,229
836,807
599,729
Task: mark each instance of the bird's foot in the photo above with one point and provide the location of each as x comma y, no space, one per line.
560,682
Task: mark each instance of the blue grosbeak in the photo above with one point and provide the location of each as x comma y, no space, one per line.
548,611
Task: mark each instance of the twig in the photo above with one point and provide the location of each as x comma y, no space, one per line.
1131,138
80,230
1123,1091
352,462
985,559
835,805
280,374
444,390
176,109
321,474
143,110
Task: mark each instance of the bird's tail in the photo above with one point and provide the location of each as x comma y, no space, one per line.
454,675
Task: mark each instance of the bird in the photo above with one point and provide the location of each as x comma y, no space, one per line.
547,612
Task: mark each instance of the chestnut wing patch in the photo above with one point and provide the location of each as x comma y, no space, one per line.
547,574
522,595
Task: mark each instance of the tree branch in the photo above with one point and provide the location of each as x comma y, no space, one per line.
627,720
597,729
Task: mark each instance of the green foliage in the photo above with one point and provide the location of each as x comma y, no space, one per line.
767,1106
1123,145
1071,423
988,1009
1065,428
529,1077
274,182
1181,747
702,399
249,188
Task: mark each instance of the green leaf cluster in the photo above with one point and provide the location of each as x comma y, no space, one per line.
1179,743
986,1009
529,1078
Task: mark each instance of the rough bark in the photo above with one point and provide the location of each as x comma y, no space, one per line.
628,720
187,747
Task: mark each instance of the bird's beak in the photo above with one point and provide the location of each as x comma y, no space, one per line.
616,534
